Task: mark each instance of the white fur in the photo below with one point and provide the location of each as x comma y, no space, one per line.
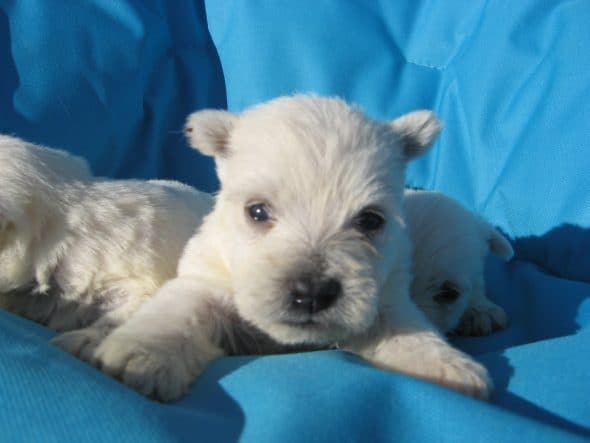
450,246
79,252
316,163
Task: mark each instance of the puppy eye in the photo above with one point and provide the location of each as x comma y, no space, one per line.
447,294
369,221
258,212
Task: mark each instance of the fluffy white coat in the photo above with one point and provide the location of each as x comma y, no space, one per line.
311,168
80,253
450,245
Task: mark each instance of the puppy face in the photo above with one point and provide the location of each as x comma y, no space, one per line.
442,298
450,247
310,205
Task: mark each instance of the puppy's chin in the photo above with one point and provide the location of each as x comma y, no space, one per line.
322,330
308,333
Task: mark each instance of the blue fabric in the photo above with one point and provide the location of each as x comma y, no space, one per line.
110,80
113,81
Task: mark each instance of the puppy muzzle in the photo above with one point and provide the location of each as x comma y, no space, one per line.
309,295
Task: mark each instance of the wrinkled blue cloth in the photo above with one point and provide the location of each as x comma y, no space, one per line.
113,81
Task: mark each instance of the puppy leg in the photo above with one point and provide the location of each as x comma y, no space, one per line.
482,317
406,342
82,342
167,343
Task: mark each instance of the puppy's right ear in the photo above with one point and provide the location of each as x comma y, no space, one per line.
208,131
417,131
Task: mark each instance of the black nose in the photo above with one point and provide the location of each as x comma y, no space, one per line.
311,297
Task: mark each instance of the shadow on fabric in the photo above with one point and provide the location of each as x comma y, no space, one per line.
503,371
537,361
548,279
563,251
207,412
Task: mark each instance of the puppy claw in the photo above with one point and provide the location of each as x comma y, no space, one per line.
80,343
466,376
154,378
154,372
441,364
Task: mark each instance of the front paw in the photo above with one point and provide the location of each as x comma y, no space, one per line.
429,358
460,373
482,320
80,343
153,369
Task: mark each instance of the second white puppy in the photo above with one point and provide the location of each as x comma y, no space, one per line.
450,247
307,246
80,254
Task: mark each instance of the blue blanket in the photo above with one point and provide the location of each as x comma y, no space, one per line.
114,80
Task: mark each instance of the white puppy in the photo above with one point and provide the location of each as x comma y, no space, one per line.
77,252
306,247
450,246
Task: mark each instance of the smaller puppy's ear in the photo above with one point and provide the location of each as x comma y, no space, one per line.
499,245
208,131
417,131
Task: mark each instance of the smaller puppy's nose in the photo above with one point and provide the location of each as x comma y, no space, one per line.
311,297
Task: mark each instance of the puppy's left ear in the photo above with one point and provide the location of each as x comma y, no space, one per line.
208,131
417,131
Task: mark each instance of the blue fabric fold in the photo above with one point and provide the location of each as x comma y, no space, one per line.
112,81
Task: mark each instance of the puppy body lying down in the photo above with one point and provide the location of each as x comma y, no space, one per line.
78,252
450,245
306,247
